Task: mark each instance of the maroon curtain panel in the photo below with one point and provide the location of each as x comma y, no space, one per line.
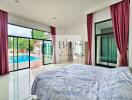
89,34
53,35
120,19
3,43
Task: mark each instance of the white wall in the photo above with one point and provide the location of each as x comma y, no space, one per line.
27,23
77,29
130,37
60,31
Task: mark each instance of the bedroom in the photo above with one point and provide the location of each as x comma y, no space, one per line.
56,38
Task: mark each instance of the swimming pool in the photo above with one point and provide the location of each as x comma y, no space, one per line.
22,58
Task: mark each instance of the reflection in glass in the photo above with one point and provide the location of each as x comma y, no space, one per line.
105,45
19,85
47,52
23,53
36,53
10,53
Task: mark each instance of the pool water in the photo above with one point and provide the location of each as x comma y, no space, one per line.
22,58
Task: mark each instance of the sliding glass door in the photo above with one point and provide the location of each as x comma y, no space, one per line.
18,51
47,52
28,47
23,53
36,53
105,44
11,53
15,49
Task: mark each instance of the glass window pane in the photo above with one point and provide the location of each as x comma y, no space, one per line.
106,50
104,25
19,31
40,34
10,53
101,50
15,53
112,50
23,53
36,53
47,52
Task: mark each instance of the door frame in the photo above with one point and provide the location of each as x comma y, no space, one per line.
96,36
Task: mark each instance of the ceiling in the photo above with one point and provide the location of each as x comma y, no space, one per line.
59,13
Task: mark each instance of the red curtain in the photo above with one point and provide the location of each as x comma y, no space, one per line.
120,20
53,35
89,34
3,43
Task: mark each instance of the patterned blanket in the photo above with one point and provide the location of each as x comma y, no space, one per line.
83,82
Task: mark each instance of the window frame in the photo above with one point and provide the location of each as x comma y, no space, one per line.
96,35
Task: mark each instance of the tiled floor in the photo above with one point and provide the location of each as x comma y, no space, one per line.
17,85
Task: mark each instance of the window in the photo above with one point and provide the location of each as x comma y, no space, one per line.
28,47
40,34
105,45
108,49
19,31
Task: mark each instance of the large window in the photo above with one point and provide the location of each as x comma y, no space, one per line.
19,31
105,45
28,47
40,34
47,52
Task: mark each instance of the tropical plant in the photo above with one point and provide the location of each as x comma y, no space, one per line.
39,34
10,43
23,43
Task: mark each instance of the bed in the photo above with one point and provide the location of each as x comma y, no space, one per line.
84,82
